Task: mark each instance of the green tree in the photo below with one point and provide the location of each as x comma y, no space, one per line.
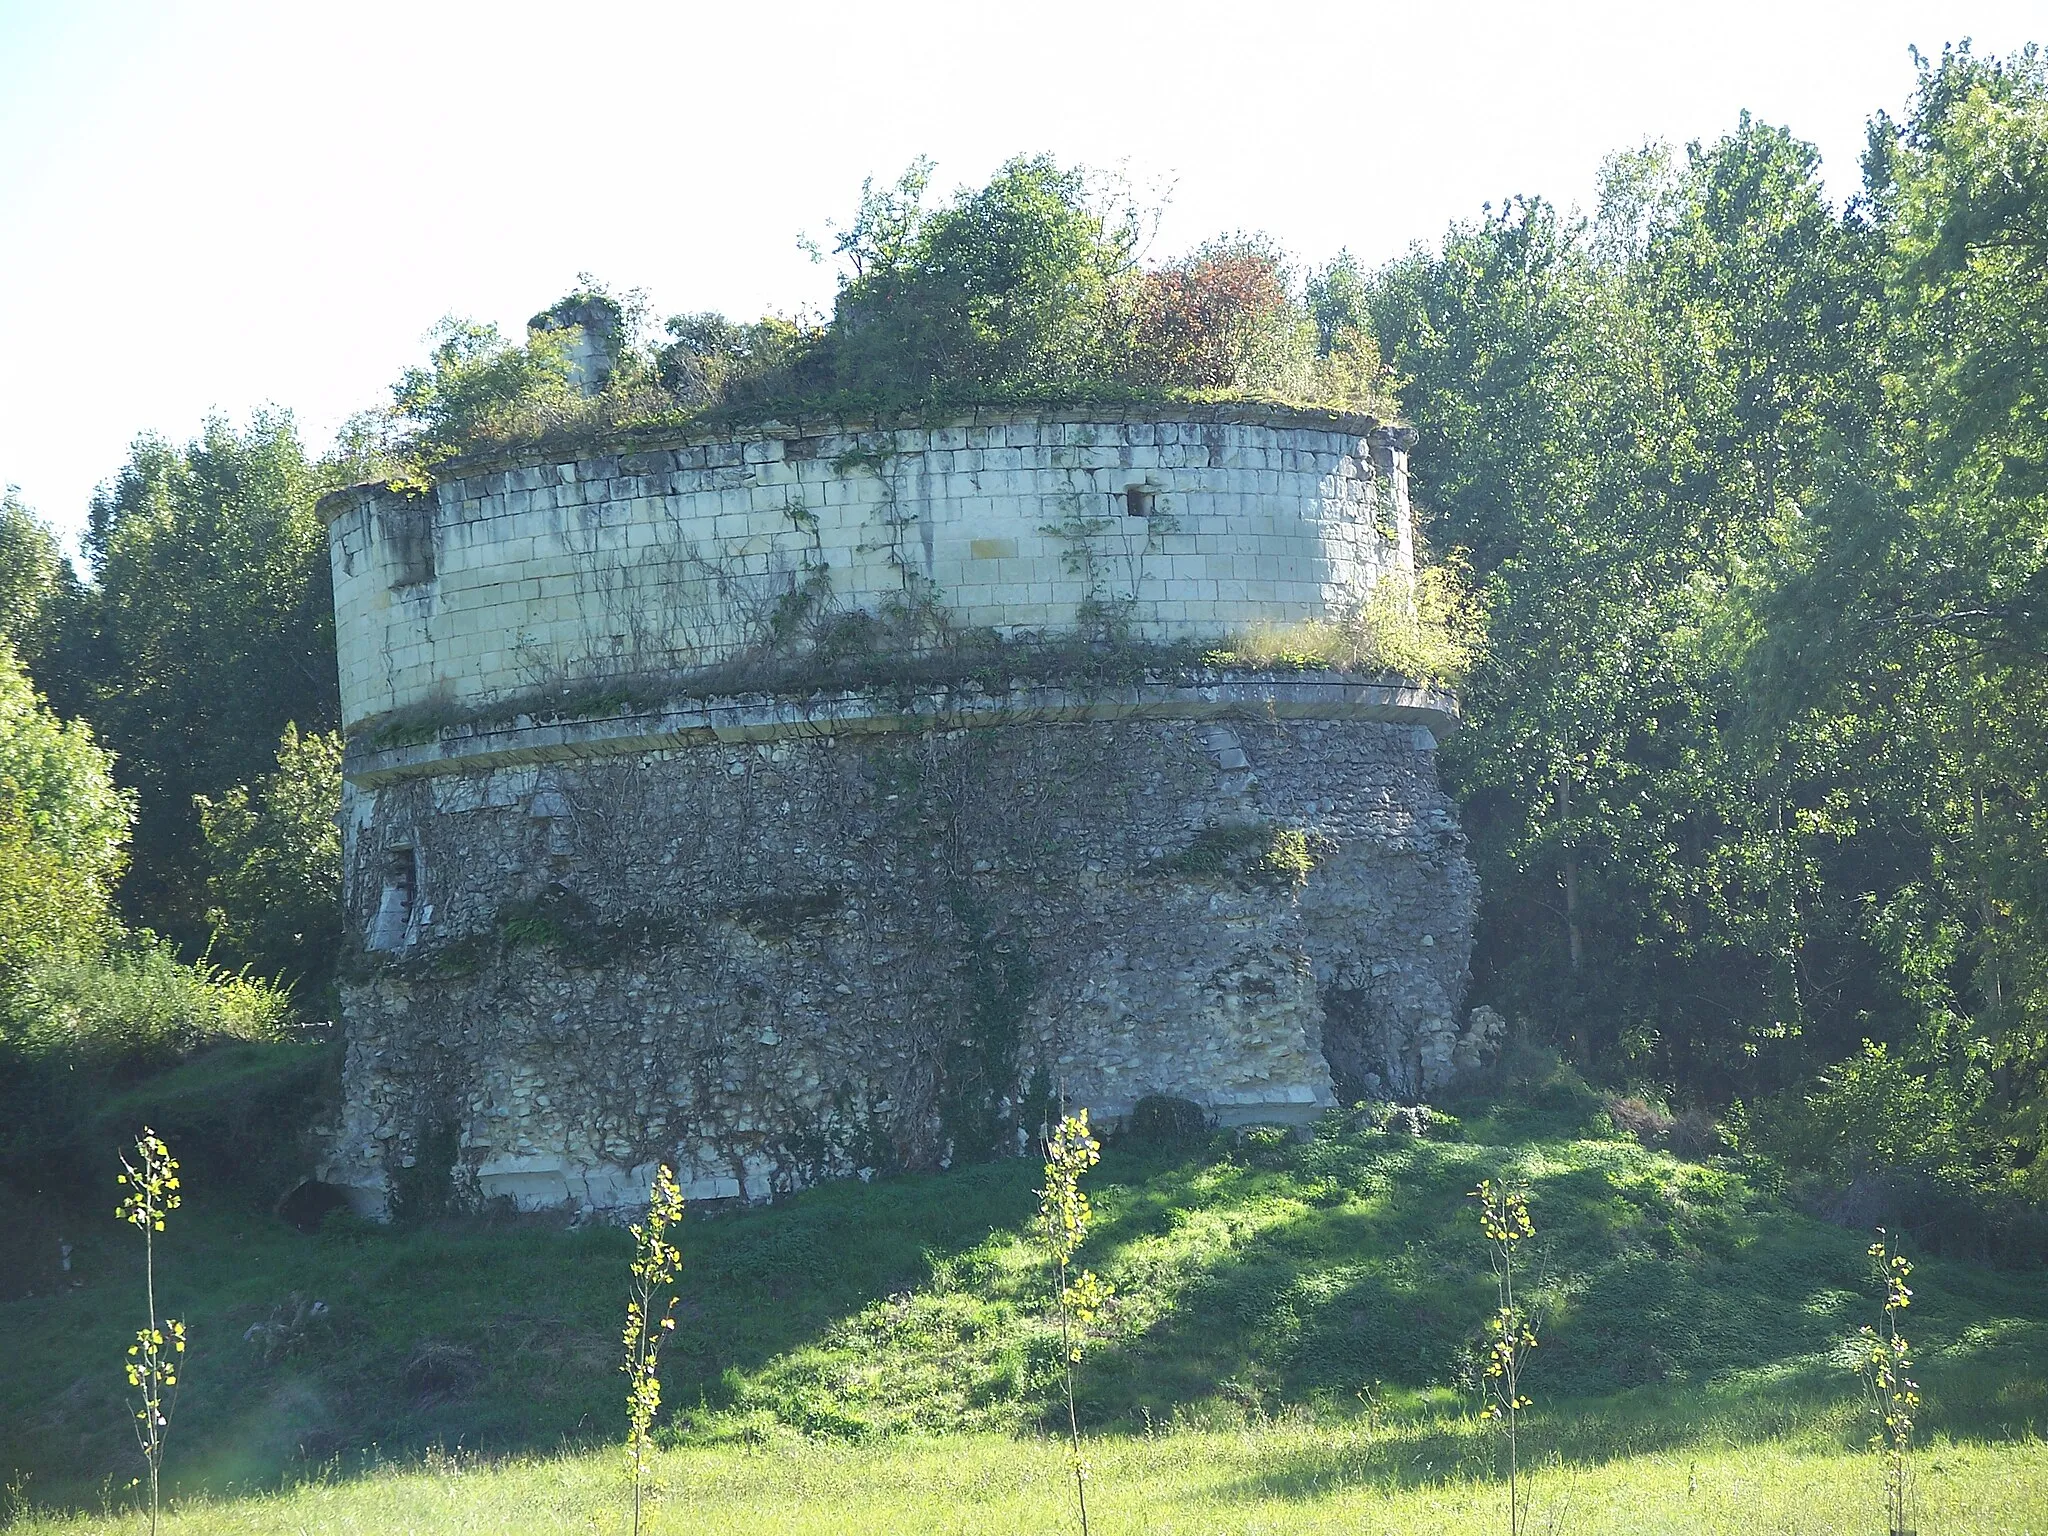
60,782
50,910
34,580
274,848
1908,613
63,828
1020,285
212,626
1618,422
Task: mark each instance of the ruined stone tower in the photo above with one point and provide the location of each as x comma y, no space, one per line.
829,798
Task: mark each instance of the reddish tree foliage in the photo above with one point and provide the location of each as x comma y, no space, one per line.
1201,321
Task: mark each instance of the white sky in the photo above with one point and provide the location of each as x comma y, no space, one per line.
213,206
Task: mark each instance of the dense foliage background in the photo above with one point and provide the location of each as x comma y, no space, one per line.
1755,489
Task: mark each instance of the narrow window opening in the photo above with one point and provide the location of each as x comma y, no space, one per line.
1137,501
415,556
408,530
392,925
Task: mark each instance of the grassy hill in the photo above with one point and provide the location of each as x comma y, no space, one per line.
1320,1295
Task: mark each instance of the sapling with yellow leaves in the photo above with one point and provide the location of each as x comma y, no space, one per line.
151,1179
656,1263
1885,1358
1510,1331
1063,1219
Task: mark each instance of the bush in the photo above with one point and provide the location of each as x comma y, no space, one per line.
1882,1140
91,1048
1875,1113
1689,1133
1428,628
1222,318
135,1007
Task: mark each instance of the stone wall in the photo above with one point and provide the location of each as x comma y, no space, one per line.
514,576
823,951
603,914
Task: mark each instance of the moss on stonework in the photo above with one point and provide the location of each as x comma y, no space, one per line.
1252,851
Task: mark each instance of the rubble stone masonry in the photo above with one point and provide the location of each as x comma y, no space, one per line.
782,935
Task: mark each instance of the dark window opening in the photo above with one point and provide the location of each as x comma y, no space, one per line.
1137,501
392,925
407,527
415,549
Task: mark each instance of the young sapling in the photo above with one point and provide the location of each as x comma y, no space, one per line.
151,1180
1063,1217
1510,1332
656,1263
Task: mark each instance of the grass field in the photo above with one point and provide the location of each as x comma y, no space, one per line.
1294,1345
1298,1480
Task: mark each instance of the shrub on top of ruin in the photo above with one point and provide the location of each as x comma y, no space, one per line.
1428,628
1234,317
1028,291
583,368
1023,283
1221,318
478,384
711,361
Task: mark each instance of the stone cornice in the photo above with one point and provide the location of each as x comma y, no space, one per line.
755,717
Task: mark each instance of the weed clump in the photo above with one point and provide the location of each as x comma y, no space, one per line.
1427,627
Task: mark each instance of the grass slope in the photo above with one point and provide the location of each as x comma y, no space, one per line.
1333,1285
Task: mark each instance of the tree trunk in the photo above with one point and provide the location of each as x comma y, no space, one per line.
1571,878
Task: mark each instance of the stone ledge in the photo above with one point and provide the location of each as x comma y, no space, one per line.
1275,414
754,717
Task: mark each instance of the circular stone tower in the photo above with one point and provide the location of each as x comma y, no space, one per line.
826,798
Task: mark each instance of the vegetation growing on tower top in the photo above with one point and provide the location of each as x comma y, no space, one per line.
1034,289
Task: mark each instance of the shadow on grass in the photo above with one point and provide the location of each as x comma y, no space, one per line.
1670,1286
1682,1308
492,1335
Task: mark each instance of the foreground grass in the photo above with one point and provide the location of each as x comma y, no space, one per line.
1337,1282
1287,1478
